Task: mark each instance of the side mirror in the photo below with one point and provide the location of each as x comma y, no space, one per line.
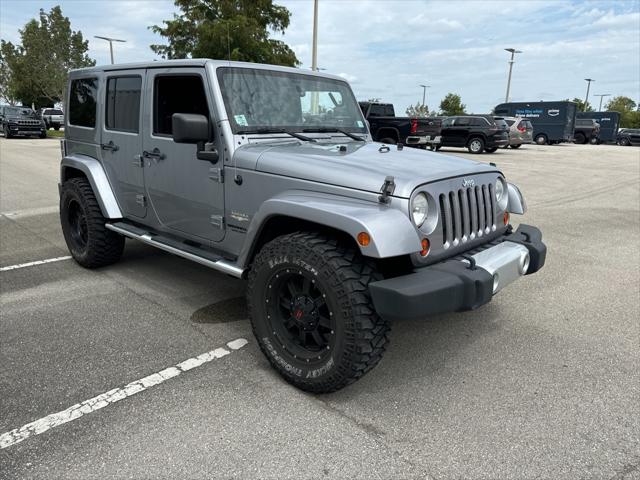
189,128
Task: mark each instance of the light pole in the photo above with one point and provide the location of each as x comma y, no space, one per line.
601,95
511,62
314,45
586,99
110,40
424,92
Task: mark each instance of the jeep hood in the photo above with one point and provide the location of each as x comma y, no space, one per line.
361,166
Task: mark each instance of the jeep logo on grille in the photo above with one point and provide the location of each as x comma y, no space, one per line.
468,182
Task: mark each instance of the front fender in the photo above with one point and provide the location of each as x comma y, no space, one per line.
97,177
392,233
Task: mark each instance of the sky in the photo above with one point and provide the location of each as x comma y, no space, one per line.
388,48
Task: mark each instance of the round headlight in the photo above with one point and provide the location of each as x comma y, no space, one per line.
419,207
499,190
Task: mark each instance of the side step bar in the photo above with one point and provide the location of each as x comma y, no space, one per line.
190,253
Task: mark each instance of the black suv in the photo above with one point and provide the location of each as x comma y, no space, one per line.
478,133
628,136
587,130
21,121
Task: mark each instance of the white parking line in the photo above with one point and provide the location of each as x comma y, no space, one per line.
31,212
32,264
78,410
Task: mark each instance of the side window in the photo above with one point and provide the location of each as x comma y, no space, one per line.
82,102
177,94
447,122
123,104
462,122
376,111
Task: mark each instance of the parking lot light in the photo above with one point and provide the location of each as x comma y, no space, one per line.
511,62
586,98
110,40
601,95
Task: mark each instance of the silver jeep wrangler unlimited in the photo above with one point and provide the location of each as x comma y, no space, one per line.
269,174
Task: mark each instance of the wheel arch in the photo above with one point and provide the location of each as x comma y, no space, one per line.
73,166
392,233
391,132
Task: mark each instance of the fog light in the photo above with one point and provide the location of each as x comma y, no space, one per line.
425,247
505,218
364,239
524,263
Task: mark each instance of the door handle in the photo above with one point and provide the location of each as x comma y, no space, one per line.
156,154
110,146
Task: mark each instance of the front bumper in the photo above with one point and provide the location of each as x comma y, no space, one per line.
462,283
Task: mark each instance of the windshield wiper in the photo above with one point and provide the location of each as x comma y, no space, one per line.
279,130
338,130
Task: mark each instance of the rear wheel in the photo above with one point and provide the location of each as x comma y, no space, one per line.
388,140
491,150
435,148
56,128
476,145
91,244
541,139
625,142
516,146
579,138
311,312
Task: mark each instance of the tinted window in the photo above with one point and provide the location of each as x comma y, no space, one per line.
82,102
447,122
51,111
377,111
123,104
462,122
179,94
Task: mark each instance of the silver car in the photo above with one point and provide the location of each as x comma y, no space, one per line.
520,130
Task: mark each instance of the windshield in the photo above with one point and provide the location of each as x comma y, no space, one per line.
258,99
18,111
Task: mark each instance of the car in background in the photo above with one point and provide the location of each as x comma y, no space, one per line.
21,121
52,117
628,136
385,127
553,122
520,131
477,133
587,130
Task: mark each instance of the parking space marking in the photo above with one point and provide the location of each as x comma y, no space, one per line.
31,212
78,410
32,264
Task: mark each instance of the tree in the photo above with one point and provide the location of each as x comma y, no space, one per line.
37,70
417,110
226,29
580,105
7,92
452,104
629,114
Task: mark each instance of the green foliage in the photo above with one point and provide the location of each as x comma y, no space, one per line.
226,29
36,71
417,110
580,105
452,104
629,114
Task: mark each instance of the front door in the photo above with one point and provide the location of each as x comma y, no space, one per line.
186,194
122,140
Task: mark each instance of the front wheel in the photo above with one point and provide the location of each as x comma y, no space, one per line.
388,140
625,142
311,312
7,133
476,145
91,244
516,146
56,127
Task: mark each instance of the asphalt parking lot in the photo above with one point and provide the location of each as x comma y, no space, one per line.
543,382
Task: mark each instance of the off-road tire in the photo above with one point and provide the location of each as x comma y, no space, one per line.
516,146
342,275
101,246
476,145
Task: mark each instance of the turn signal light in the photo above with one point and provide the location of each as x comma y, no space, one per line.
505,218
425,247
364,239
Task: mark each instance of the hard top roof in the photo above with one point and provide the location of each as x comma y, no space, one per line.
198,62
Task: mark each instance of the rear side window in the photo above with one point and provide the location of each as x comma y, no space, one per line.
123,104
510,122
82,102
462,122
177,94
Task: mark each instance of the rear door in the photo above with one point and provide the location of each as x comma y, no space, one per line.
186,194
122,139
